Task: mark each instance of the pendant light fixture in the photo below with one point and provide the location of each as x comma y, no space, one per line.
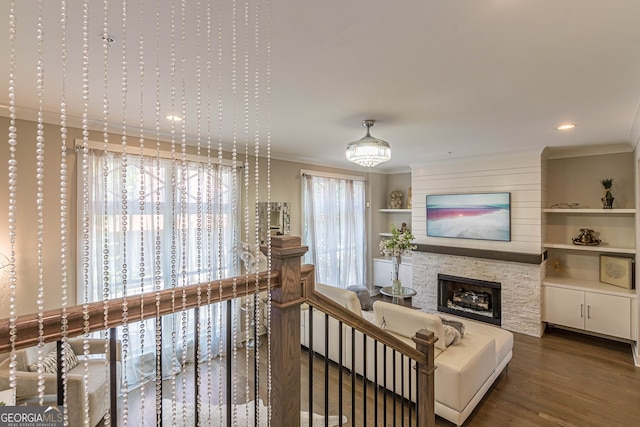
368,151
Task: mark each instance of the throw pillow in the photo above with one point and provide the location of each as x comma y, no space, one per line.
459,326
451,335
50,361
363,296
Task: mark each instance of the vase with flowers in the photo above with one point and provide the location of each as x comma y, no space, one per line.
400,243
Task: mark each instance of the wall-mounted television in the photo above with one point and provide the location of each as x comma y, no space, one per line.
482,216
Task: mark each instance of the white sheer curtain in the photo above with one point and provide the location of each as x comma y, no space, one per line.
334,228
167,236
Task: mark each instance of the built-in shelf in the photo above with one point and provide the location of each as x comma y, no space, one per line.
599,248
396,210
592,211
589,285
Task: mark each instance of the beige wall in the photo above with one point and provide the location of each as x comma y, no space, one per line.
578,180
27,217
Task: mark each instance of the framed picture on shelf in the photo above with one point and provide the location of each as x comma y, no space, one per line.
617,271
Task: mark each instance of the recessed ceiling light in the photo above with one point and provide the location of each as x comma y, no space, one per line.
567,126
174,118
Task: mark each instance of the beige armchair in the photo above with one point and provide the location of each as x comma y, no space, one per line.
97,387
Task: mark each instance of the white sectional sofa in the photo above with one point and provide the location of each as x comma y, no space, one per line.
464,371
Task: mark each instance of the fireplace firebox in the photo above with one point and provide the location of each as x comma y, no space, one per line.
470,298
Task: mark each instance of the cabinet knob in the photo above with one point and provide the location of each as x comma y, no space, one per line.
588,312
581,310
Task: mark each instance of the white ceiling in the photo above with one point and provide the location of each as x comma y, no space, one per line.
441,77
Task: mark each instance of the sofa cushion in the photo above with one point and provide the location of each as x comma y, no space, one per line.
363,296
345,298
29,356
404,321
451,335
502,338
459,326
50,361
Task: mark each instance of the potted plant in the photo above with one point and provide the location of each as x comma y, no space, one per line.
607,196
400,243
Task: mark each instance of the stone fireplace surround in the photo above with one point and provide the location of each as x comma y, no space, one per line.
521,283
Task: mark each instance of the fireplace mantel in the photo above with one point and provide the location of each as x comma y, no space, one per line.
525,258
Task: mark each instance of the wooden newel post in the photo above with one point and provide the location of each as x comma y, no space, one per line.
286,254
425,340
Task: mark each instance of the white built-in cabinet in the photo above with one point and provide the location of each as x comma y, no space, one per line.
573,295
383,272
591,307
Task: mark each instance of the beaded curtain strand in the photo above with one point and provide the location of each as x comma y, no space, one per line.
85,204
183,209
174,272
158,221
257,316
234,159
198,355
40,146
13,188
142,192
106,258
220,116
209,225
247,170
268,137
64,221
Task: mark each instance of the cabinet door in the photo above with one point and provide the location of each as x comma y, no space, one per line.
564,307
405,274
608,314
382,272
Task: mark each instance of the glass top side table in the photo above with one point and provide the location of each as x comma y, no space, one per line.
402,297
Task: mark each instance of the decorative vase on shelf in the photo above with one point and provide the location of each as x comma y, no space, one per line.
607,196
607,202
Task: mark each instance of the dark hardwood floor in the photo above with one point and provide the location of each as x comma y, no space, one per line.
561,379
564,379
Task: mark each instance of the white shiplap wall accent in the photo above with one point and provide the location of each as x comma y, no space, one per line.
524,176
517,173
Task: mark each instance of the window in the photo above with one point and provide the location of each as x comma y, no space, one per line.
334,228
166,235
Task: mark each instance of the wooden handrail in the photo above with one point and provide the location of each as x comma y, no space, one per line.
139,307
422,354
360,324
330,307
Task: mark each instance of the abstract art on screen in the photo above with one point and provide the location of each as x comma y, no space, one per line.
482,216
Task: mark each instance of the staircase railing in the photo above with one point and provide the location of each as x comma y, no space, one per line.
290,283
373,376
